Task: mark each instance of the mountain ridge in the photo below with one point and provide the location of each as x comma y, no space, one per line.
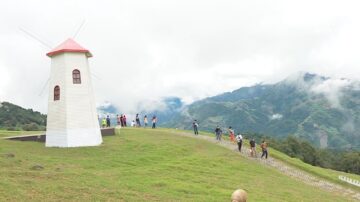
14,117
322,110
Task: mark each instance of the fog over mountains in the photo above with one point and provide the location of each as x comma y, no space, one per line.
323,110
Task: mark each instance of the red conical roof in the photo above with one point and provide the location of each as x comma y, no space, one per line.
69,46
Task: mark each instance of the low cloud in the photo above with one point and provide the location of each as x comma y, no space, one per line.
276,116
332,89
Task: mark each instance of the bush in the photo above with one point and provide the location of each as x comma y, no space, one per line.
31,127
11,128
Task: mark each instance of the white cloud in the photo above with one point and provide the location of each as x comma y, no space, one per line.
145,50
332,90
276,116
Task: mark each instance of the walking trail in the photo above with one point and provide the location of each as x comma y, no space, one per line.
283,168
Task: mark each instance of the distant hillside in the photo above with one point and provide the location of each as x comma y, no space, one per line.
170,107
13,117
323,110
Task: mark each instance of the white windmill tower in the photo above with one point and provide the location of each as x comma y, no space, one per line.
72,117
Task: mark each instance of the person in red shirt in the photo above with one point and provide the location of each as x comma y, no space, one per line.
231,134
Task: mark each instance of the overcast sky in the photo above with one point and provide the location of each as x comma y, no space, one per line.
145,50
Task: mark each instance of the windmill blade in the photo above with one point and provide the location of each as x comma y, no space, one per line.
79,28
37,38
43,88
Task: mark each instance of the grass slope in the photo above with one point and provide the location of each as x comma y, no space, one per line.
143,165
326,174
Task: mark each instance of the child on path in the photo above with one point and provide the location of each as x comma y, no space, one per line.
231,134
195,126
264,149
239,140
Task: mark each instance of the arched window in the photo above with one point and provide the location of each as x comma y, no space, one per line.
76,77
56,93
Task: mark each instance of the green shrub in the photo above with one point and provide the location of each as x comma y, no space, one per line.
31,127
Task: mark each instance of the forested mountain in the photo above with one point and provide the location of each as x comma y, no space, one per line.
322,110
13,117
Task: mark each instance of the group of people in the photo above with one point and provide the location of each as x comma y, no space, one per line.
236,139
263,147
121,121
105,122
137,122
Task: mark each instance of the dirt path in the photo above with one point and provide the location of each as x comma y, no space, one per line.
284,168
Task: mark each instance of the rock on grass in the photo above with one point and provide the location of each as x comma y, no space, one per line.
37,167
9,155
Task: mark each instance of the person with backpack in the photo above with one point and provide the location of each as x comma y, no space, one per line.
252,148
239,140
231,134
264,149
218,133
195,126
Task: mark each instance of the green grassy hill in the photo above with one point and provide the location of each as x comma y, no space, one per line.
13,117
143,165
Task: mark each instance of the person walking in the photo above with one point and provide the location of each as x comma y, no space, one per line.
239,140
108,121
103,122
231,134
264,149
145,121
195,126
252,148
117,119
137,118
154,120
218,133
124,119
